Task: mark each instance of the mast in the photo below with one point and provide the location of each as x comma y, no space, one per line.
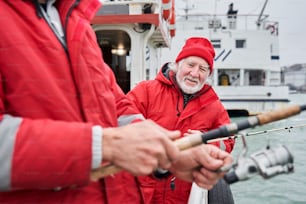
187,8
260,19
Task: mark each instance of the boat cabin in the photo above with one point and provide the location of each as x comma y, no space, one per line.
131,33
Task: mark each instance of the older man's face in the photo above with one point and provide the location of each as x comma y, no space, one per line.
192,73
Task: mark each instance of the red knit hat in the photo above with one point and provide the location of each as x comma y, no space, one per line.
200,47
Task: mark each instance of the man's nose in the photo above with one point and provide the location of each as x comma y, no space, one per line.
195,71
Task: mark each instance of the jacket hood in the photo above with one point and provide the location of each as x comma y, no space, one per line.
164,74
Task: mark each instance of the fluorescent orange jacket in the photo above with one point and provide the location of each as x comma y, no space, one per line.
49,100
161,101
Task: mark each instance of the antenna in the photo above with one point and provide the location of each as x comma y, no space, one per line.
260,19
187,8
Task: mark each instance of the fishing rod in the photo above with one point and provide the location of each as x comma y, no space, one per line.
222,131
257,133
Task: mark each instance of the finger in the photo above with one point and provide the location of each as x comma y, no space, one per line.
194,131
205,180
206,159
164,163
168,151
170,134
172,151
222,155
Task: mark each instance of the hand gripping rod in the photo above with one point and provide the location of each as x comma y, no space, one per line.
223,131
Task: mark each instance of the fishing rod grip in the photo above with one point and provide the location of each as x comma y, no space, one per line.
110,169
190,141
279,114
103,171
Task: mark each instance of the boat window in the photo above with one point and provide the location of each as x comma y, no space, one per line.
228,77
255,77
216,43
240,43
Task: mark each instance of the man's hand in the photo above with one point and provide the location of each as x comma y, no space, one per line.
191,132
201,164
140,147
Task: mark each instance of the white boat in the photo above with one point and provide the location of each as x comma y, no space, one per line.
131,34
247,72
138,36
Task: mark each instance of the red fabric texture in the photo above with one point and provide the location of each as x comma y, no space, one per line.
59,95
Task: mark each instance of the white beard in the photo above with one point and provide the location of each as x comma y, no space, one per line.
188,89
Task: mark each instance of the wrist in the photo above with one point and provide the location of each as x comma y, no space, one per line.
107,143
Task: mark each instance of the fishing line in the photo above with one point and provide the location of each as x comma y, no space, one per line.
258,132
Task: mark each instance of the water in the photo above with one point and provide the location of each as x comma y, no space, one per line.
283,188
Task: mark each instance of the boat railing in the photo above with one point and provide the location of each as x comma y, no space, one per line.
225,22
142,14
134,7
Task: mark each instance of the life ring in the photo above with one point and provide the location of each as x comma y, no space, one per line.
271,28
166,6
172,21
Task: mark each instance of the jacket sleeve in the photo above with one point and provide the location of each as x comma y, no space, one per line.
138,95
42,153
35,154
126,111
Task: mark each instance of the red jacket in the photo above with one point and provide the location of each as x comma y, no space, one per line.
162,101
50,99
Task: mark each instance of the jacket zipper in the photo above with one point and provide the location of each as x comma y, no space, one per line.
62,40
75,4
67,17
41,14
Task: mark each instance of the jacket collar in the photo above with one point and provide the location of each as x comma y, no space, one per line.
87,8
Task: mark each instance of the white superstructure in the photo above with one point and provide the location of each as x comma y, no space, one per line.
138,36
247,74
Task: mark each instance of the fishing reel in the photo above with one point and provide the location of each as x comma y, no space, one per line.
267,162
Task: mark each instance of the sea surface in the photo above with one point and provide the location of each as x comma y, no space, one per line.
283,188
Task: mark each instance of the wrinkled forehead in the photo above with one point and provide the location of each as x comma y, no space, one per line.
196,60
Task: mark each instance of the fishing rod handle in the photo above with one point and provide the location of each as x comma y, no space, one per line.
279,114
190,141
110,169
103,171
